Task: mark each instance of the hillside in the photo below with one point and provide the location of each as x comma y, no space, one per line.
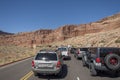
65,32
101,39
5,33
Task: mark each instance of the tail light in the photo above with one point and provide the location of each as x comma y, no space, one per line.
78,52
33,63
98,60
58,64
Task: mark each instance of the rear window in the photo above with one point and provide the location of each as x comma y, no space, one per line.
62,49
93,50
73,48
83,49
46,56
105,51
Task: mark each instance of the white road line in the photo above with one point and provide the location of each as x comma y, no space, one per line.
78,78
14,63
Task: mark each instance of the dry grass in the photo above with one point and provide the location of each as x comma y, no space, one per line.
11,53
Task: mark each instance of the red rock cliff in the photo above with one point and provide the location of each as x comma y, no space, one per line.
47,36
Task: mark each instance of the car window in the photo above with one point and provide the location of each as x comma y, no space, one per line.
93,50
62,49
105,51
73,48
46,56
83,49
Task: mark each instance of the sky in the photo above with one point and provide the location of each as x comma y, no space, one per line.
30,15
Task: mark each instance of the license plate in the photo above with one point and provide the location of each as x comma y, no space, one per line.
44,65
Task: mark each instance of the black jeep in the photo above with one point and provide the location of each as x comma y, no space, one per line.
102,59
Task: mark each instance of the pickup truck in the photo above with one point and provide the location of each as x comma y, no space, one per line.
64,51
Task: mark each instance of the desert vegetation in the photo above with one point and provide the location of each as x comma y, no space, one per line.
11,53
101,39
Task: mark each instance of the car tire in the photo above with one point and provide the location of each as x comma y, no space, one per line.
77,58
60,73
35,74
111,66
116,74
92,70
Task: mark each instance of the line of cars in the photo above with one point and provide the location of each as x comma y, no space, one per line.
99,59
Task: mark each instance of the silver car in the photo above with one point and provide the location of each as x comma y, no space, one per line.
79,52
46,63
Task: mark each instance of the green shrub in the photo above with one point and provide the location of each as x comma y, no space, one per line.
102,41
117,41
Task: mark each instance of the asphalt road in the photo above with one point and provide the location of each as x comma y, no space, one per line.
16,70
72,70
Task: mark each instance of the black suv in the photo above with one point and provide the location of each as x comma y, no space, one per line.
73,50
102,59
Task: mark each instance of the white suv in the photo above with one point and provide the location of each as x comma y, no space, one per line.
64,52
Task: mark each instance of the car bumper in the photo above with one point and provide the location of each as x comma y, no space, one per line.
79,55
65,57
46,71
102,68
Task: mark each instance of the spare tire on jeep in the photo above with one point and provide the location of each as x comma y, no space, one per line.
112,61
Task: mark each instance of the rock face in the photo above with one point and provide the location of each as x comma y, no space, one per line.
25,39
62,33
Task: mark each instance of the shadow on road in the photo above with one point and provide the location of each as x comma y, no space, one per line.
79,58
65,59
61,76
108,74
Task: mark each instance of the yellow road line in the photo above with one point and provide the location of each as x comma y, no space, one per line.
27,76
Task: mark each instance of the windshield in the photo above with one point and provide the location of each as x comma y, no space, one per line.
105,51
83,49
62,49
46,56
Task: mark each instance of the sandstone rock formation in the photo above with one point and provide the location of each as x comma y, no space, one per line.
62,33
